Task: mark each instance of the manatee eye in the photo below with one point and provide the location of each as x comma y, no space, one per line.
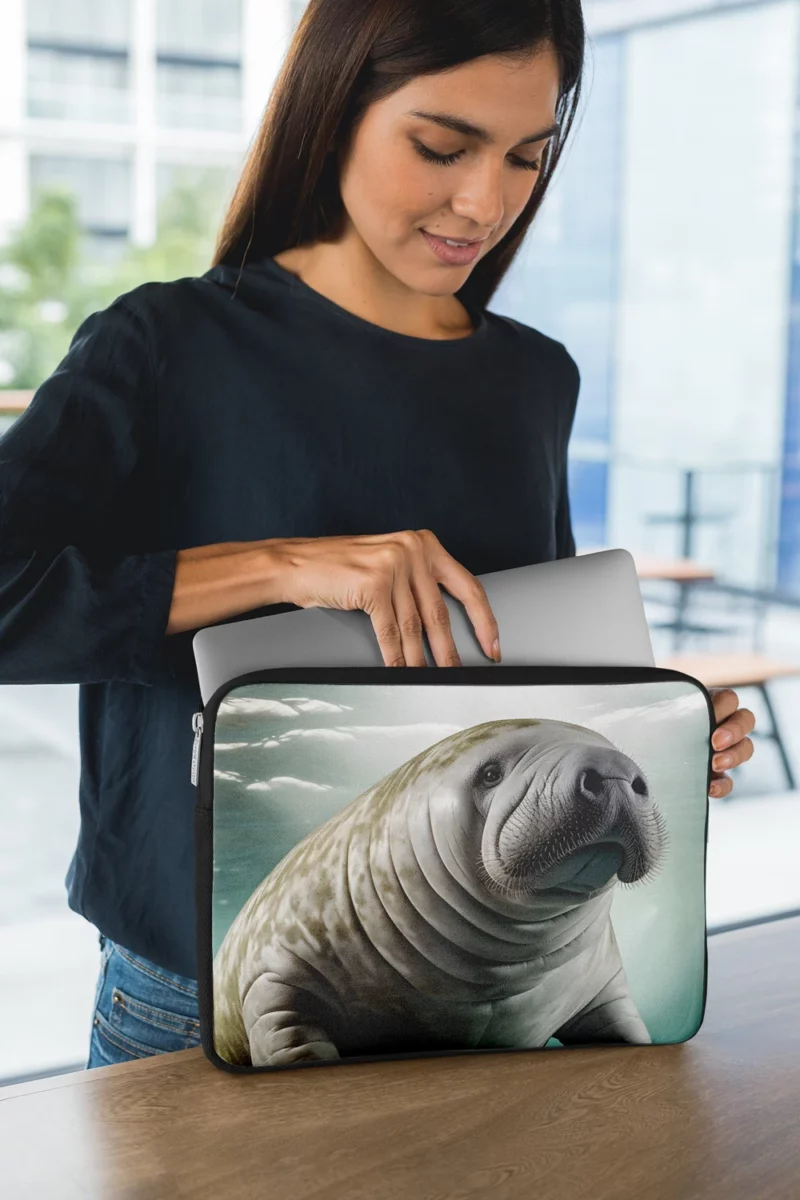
490,775
639,786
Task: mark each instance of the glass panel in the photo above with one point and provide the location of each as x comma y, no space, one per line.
199,97
671,274
199,28
78,87
101,186
79,22
210,186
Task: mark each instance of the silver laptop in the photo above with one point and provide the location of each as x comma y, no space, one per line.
573,611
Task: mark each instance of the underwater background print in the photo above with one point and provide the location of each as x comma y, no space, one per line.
511,805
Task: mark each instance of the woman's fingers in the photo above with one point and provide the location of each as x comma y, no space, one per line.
407,608
725,701
720,786
733,723
738,753
460,583
387,629
733,729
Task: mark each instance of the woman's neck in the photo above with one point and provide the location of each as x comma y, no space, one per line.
346,273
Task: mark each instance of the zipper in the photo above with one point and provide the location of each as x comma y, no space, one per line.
197,726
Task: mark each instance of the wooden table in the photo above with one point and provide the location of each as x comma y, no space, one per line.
678,570
731,669
716,1118
14,402
740,671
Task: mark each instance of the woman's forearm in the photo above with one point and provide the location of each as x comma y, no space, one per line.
218,581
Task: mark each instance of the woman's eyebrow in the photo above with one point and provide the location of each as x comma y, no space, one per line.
448,121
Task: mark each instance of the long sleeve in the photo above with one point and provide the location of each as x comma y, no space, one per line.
565,540
83,597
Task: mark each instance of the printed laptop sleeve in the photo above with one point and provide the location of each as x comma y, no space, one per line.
398,862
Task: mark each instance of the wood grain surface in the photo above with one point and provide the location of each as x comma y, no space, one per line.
717,1117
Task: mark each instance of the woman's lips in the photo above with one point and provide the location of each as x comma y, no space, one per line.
454,255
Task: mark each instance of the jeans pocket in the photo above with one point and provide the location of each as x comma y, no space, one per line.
150,1028
142,1009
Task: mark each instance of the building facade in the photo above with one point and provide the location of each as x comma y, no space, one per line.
119,99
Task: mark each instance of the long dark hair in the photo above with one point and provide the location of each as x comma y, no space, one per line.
345,55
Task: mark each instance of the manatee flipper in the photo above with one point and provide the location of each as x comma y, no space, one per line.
286,1032
611,1016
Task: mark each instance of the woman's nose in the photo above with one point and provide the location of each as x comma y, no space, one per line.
480,198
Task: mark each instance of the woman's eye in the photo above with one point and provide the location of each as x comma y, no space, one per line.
447,160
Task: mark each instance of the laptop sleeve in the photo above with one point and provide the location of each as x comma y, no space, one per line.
397,862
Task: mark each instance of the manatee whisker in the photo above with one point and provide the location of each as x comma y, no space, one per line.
492,885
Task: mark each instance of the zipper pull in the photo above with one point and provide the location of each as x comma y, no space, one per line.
197,726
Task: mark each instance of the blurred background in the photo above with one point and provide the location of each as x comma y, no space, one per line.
665,257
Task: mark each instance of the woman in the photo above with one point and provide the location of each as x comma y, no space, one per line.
328,417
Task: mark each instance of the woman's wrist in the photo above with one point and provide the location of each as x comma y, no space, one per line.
222,580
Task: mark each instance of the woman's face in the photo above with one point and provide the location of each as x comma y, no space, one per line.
393,189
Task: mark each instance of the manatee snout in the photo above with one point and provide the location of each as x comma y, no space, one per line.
606,778
580,815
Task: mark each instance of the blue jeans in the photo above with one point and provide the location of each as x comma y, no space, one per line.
140,1009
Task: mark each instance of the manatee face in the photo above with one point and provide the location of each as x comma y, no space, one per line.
560,810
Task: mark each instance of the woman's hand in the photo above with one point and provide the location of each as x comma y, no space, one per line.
729,738
394,578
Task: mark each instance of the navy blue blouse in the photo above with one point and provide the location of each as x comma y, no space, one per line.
209,410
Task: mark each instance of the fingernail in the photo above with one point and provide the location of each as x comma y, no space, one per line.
723,761
723,739
496,650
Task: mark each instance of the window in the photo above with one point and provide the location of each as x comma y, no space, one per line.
199,95
41,939
200,28
101,186
199,64
78,60
66,85
87,22
209,186
674,283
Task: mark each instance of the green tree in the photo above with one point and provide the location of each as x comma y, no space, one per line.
41,297
50,280
188,218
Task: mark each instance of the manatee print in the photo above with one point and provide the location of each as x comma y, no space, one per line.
461,902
